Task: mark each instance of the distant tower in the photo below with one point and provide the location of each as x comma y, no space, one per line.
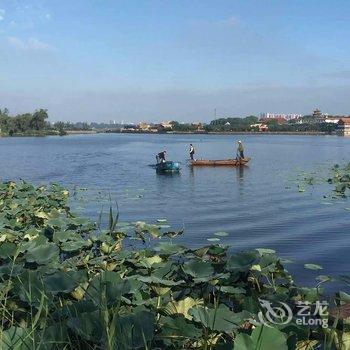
317,113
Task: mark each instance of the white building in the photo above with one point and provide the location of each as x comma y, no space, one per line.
290,116
332,120
166,124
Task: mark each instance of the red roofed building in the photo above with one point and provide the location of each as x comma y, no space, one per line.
344,126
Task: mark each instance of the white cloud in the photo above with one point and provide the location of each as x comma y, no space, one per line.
29,44
2,14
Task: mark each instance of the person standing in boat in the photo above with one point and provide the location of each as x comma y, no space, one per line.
240,150
161,157
191,151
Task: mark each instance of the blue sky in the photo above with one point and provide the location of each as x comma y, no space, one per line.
101,60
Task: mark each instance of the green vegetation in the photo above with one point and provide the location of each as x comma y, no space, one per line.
340,178
304,127
23,124
36,124
68,283
184,127
244,124
231,124
80,126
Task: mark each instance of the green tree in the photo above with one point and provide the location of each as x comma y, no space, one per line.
38,121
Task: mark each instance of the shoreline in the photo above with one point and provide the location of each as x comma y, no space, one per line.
311,133
93,132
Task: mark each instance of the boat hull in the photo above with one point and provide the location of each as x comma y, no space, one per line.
223,162
168,167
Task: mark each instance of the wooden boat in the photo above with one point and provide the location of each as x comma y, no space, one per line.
168,166
224,162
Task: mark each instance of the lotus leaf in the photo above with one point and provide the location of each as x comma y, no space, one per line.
108,285
221,319
87,325
43,254
41,215
214,239
262,338
182,307
231,290
11,269
30,288
169,249
64,282
14,338
178,327
160,281
135,330
263,251
221,234
7,250
313,267
242,261
74,245
148,262
198,268
160,290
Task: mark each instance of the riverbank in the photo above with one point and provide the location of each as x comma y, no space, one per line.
33,134
50,133
70,283
317,133
92,132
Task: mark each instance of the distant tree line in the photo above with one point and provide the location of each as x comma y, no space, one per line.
72,126
305,124
231,124
183,127
36,123
23,123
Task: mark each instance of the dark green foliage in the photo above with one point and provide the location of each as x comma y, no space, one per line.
68,284
340,178
231,124
23,123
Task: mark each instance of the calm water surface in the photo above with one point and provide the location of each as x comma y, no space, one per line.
259,205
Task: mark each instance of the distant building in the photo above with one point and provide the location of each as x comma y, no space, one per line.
317,113
259,126
343,128
198,125
167,125
144,126
319,116
128,128
290,116
332,120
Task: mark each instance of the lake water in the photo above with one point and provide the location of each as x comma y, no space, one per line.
258,206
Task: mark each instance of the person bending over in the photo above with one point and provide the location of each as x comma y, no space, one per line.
161,157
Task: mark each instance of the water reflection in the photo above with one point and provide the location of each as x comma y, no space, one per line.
240,173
